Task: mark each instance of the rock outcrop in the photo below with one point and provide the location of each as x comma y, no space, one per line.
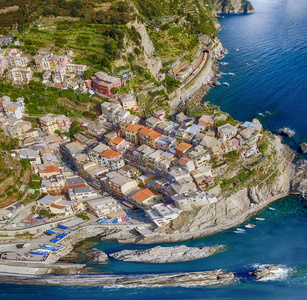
231,210
166,254
234,6
303,148
176,279
151,58
271,272
97,256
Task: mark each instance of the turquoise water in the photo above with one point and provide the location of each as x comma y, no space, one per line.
271,73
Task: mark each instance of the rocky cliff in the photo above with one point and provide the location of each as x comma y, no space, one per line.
234,209
234,6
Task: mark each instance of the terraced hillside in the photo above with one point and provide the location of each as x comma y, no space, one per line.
15,176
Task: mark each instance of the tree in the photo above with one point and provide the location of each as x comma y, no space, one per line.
74,128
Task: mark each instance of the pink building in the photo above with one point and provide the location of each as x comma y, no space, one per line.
102,83
3,64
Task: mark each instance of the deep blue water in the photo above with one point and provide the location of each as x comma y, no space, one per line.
271,75
270,66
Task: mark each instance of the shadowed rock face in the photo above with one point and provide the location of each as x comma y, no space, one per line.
177,279
234,6
166,254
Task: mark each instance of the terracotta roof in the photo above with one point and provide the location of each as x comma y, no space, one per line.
57,206
183,147
154,135
143,195
74,186
10,108
50,169
134,127
184,160
117,140
145,131
110,154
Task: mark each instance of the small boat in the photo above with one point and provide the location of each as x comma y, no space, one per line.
260,219
261,114
272,208
250,225
241,230
247,64
226,83
224,63
237,49
236,231
232,74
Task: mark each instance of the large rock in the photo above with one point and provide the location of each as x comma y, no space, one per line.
271,272
97,256
176,279
166,254
303,148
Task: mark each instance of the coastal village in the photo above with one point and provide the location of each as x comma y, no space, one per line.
123,168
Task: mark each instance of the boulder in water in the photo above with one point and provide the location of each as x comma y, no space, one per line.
97,256
303,148
271,272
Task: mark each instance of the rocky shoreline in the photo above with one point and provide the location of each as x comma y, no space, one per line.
206,278
166,254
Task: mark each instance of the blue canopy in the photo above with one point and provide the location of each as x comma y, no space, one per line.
121,201
50,231
114,221
61,235
49,248
128,213
54,240
38,253
62,227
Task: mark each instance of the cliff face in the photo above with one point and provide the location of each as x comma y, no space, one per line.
150,57
234,6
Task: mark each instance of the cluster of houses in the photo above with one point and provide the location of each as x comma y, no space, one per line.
162,165
57,71
6,40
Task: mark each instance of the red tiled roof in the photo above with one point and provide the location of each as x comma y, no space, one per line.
134,127
143,195
183,146
50,169
117,140
110,154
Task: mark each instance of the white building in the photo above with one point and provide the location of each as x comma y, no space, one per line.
189,200
162,214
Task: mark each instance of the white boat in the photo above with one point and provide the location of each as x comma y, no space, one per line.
226,83
232,74
241,230
236,231
237,49
250,225
260,219
272,208
224,63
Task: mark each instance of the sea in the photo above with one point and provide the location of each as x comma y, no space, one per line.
268,55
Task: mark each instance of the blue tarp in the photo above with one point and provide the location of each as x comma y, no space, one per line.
62,227
54,240
38,253
61,235
128,214
114,221
121,201
50,231
49,248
